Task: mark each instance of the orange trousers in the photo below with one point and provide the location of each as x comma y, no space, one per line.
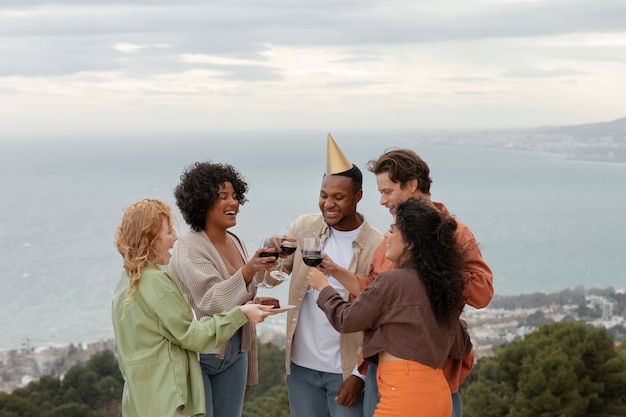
408,388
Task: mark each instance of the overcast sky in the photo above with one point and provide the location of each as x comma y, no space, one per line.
193,66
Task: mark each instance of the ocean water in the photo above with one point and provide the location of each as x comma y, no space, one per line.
544,223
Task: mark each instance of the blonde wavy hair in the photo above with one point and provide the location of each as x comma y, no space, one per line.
136,236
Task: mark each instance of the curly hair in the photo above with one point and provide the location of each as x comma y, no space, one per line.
199,187
435,254
402,165
136,235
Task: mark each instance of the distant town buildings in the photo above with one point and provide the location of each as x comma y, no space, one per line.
19,367
489,327
603,142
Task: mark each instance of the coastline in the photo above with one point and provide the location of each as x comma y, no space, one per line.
506,320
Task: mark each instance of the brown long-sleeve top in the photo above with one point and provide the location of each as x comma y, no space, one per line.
478,288
396,316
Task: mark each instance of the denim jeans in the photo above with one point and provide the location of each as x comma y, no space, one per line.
225,380
370,395
371,398
312,394
457,407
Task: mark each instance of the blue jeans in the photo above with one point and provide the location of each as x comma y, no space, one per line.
371,398
457,407
225,380
370,395
312,394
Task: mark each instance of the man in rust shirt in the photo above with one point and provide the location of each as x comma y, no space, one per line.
400,174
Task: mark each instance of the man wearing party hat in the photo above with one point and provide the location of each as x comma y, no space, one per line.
321,363
402,174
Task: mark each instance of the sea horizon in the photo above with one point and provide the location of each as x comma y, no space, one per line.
544,223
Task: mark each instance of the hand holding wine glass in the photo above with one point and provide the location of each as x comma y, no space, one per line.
287,247
270,248
311,247
317,279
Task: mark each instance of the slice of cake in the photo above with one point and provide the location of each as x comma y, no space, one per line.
269,301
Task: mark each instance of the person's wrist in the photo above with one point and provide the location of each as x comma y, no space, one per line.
248,272
358,374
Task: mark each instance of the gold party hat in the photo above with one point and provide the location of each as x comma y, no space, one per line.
336,161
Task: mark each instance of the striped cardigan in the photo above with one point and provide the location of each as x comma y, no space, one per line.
204,279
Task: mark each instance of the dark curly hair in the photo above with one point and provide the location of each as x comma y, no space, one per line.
435,254
198,190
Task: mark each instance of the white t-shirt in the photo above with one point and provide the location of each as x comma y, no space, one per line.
316,342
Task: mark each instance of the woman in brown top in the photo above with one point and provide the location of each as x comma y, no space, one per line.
410,315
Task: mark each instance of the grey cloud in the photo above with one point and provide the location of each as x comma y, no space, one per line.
347,22
64,55
241,28
249,73
542,73
605,53
45,57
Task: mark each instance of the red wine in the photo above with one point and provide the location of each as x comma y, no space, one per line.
287,250
268,255
312,258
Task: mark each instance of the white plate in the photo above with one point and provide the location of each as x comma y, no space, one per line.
284,308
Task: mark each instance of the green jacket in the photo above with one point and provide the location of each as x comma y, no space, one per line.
157,339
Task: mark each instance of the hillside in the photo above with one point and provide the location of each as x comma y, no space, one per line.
602,142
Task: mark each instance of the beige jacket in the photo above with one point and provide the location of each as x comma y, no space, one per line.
364,247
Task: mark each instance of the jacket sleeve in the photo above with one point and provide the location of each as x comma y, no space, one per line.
462,344
211,291
177,324
378,264
477,274
349,317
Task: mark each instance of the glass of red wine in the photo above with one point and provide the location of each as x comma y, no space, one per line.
287,247
271,243
311,247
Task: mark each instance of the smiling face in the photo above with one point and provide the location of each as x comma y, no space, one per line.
338,202
394,244
165,242
391,193
223,213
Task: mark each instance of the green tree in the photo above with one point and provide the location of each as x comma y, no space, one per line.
537,319
104,364
14,406
83,380
562,369
271,370
273,403
72,410
109,389
43,393
269,397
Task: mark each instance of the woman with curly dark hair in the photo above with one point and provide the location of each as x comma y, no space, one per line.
213,269
411,315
